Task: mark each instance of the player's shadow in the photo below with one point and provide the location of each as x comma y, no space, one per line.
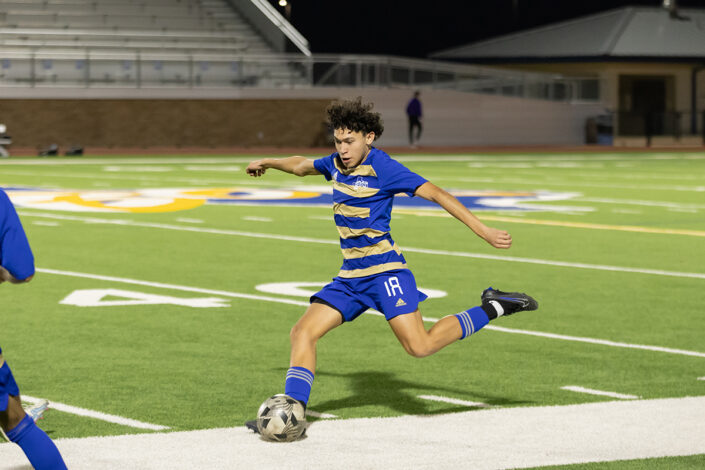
383,389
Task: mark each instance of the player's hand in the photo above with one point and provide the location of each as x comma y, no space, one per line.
256,168
498,238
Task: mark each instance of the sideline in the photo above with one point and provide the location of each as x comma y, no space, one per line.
485,439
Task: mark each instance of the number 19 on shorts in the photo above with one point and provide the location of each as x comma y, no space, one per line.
392,284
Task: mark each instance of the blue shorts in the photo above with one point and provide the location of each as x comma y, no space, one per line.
392,293
8,386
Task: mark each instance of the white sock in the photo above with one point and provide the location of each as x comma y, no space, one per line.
498,307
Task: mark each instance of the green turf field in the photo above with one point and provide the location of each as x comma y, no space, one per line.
616,259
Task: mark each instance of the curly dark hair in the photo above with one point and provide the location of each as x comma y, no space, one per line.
355,116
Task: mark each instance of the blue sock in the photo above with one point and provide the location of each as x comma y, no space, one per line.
37,446
471,321
298,383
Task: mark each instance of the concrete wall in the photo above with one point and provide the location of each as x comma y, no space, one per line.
240,117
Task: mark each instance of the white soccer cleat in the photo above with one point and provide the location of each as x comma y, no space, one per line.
37,410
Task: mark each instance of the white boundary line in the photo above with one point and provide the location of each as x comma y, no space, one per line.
636,202
97,415
602,342
462,254
621,396
222,293
542,436
454,401
316,414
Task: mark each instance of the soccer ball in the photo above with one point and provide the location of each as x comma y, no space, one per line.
281,418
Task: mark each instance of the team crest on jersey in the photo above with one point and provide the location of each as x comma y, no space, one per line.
360,184
335,176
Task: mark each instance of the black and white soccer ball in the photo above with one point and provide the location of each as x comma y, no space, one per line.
281,418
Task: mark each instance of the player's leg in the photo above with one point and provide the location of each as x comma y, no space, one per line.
318,320
418,342
398,297
419,128
411,333
21,429
411,130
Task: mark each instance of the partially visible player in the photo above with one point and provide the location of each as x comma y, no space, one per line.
374,272
17,266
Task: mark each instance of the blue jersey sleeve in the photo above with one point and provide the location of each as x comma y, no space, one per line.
396,178
15,253
325,166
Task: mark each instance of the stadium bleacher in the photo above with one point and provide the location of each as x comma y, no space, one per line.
105,42
184,25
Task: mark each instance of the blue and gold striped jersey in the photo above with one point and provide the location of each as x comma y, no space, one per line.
362,207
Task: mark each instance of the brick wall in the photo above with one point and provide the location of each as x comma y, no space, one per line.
144,123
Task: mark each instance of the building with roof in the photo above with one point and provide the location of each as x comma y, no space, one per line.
650,63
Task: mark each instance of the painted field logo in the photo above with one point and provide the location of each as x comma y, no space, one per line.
178,199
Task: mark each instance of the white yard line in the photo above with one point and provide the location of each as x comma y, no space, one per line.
599,267
133,423
162,285
701,378
590,391
316,414
636,202
575,184
602,342
486,439
454,401
45,223
300,303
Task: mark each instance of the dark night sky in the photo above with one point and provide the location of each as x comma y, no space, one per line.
397,27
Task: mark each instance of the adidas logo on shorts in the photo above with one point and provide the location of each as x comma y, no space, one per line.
400,303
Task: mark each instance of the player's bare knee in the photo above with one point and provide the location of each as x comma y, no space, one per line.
301,334
417,349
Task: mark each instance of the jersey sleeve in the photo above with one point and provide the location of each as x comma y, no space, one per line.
325,166
15,253
399,179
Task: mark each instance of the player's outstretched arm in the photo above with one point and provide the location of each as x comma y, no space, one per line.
299,166
496,238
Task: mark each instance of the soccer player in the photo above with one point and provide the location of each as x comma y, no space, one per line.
17,266
374,273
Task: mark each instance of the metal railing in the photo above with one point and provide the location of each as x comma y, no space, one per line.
137,69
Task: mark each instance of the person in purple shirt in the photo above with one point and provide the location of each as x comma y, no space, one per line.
414,113
16,267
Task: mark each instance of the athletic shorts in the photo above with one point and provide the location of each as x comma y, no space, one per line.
392,293
8,386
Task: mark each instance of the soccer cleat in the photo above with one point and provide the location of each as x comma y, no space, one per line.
252,426
36,411
507,303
